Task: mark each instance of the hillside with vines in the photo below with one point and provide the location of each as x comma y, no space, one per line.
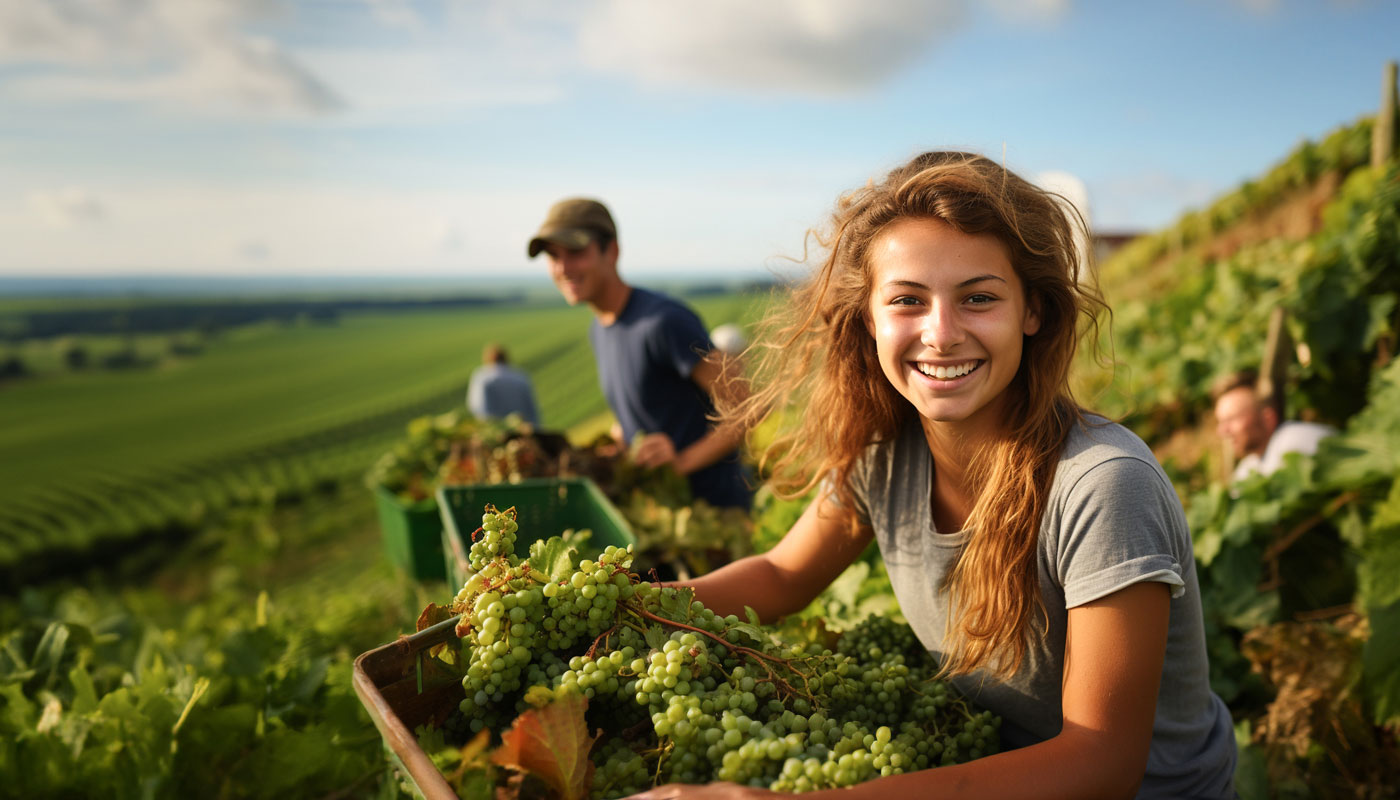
1298,569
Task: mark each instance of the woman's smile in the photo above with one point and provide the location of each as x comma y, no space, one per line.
946,376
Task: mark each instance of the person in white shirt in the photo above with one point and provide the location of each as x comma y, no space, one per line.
1254,428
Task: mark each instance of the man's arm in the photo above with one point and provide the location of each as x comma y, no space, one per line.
718,377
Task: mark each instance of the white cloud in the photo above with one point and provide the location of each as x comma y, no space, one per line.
1147,200
187,54
813,46
67,208
477,54
432,80
398,13
203,55
1068,186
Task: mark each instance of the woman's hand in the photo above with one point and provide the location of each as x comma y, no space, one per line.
707,791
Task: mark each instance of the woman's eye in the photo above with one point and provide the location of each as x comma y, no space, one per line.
980,299
904,300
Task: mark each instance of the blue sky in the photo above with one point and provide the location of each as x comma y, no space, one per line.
395,137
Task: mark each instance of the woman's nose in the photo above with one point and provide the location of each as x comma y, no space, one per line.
942,330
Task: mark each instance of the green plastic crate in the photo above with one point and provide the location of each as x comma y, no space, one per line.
412,535
544,507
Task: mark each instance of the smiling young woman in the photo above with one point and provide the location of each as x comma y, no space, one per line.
1037,550
948,315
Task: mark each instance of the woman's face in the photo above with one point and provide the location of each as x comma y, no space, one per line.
948,314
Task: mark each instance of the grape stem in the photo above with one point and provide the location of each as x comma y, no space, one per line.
602,638
661,752
761,659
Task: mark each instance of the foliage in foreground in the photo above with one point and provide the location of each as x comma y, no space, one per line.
221,680
232,702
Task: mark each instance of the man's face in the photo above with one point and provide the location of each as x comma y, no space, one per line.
1241,421
582,273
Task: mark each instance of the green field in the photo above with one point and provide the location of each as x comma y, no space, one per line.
100,455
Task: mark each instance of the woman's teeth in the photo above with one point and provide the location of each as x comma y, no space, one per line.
946,373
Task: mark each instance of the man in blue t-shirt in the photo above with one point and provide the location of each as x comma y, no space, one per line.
656,364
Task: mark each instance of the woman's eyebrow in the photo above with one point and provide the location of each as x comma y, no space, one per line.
961,285
980,278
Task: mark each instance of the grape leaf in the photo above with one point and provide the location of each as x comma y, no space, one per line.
684,597
813,630
48,655
754,632
553,743
752,616
84,692
1381,664
554,557
656,637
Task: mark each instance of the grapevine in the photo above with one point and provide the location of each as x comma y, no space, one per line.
689,696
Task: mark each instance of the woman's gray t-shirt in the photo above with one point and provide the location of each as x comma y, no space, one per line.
1112,520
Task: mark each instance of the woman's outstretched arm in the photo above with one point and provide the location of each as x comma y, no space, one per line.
1114,649
785,579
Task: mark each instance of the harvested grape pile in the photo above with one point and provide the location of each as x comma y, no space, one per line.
456,448
688,696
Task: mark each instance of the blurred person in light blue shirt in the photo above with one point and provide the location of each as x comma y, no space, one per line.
497,389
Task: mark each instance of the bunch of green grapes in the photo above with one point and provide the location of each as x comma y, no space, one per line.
497,539
516,622
620,770
689,696
876,637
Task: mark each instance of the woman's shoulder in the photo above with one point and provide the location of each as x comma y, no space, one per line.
1099,445
1095,437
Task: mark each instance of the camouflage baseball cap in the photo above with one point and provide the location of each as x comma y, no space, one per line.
573,223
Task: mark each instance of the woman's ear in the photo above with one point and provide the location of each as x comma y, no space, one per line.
1032,322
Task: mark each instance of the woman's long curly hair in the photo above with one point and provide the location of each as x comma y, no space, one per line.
815,365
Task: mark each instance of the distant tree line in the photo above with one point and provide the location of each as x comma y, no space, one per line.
210,317
714,289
